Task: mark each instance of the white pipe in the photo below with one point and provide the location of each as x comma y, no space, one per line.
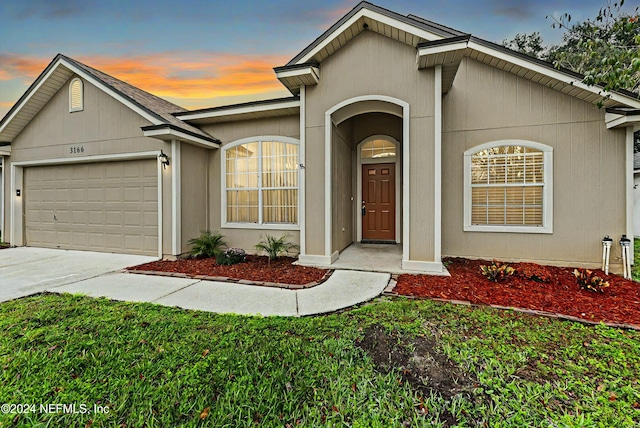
606,253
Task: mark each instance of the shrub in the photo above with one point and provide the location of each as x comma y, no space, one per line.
207,244
231,256
534,272
274,247
587,280
497,271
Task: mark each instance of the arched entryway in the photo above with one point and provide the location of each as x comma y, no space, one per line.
366,135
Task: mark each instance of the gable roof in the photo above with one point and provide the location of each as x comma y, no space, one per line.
437,45
156,110
408,29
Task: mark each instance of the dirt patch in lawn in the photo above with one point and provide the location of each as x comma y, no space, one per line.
420,362
255,268
560,293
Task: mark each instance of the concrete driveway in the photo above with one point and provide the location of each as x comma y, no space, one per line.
27,270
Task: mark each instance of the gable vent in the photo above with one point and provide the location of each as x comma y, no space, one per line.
75,95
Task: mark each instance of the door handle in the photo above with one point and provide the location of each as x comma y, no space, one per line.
364,208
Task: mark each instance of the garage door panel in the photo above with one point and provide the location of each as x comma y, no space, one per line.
93,206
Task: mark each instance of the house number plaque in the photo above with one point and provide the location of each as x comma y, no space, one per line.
76,150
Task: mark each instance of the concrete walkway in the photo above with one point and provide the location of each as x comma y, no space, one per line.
342,290
25,271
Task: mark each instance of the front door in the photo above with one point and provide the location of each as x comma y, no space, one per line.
379,202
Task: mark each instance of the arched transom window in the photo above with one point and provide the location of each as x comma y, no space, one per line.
508,187
261,182
378,148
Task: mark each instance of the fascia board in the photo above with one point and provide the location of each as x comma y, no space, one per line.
32,92
432,50
240,110
178,135
314,72
554,74
620,121
376,16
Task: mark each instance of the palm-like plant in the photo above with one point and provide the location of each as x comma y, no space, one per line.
207,244
274,247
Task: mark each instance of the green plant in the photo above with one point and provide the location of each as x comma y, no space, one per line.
231,256
274,247
497,271
207,244
587,280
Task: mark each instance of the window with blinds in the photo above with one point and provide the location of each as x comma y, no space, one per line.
262,183
507,186
76,102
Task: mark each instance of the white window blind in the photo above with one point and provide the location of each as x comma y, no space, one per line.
507,186
262,183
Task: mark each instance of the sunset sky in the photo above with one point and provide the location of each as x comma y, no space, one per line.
199,53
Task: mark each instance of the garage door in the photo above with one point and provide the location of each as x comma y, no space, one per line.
108,207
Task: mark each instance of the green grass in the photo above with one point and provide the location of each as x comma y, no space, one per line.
162,367
635,269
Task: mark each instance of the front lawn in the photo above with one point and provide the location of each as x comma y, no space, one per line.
395,362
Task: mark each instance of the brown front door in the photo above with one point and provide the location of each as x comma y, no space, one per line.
379,202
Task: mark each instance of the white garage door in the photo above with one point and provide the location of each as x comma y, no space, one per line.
108,207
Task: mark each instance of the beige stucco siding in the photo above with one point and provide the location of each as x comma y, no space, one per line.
374,65
421,189
193,192
228,132
285,126
104,127
486,105
342,205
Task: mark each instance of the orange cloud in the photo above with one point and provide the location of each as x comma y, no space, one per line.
13,66
184,76
194,77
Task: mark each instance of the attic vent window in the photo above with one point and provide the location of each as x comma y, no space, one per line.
76,101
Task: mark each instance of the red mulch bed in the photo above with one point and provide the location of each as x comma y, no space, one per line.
256,268
620,302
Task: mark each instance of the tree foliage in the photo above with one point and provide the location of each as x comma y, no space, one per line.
606,49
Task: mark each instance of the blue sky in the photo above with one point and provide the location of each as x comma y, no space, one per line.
199,53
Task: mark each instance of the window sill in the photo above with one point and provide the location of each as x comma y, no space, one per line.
508,229
266,226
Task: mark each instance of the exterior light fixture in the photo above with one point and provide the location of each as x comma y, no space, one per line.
18,192
164,159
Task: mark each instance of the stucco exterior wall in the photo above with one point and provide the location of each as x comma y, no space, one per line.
105,126
285,126
374,65
342,204
193,192
486,104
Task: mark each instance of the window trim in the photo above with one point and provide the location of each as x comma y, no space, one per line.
547,192
74,109
224,224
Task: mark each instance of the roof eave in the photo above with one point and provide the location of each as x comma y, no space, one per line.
277,107
167,132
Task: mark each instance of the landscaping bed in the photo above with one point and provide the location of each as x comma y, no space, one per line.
255,268
560,293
